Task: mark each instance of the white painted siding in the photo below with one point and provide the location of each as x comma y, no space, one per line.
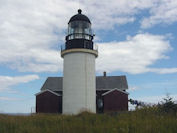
79,83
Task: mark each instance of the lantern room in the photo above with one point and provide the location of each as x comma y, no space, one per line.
79,33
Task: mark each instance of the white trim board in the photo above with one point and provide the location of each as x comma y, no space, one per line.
114,90
48,91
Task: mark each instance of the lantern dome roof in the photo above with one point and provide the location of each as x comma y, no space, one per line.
79,17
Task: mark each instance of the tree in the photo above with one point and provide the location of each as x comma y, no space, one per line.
168,105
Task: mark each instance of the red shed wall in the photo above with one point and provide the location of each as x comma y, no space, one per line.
115,101
48,102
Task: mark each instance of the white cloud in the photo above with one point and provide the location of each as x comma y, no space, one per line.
135,55
7,99
156,99
110,13
163,11
164,70
32,31
133,88
7,81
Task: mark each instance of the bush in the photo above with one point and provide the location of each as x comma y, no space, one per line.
168,105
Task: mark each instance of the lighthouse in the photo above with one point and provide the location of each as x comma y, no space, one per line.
79,54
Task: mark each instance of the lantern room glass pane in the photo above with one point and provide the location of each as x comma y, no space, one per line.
79,27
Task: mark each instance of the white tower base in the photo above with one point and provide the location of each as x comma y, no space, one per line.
79,82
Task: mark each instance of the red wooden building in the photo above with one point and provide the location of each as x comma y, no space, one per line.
111,95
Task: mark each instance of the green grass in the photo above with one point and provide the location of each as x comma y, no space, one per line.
146,120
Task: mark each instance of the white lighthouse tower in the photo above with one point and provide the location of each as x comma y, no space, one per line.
79,53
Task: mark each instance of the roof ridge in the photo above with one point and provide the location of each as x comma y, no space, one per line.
112,76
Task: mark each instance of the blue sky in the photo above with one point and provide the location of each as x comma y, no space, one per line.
135,38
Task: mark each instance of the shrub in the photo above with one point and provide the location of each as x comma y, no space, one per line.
168,105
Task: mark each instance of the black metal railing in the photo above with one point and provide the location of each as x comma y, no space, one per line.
79,36
95,47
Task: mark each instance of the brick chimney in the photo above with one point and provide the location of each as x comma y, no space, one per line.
104,73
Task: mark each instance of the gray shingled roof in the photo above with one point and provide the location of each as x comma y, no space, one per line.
111,82
102,83
53,83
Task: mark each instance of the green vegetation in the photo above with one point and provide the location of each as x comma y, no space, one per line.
168,105
153,119
146,120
